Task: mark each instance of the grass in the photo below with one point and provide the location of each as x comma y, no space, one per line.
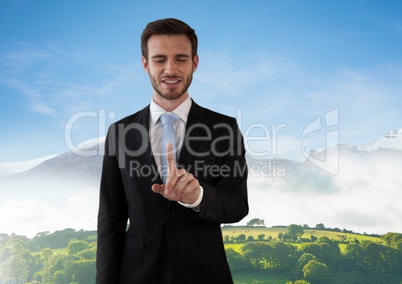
273,232
235,247
260,278
55,252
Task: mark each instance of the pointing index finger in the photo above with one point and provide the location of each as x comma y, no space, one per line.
170,157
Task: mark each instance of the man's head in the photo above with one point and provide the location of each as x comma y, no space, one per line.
168,27
170,58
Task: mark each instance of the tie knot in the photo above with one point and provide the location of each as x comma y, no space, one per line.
169,118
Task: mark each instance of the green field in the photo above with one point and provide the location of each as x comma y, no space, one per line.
231,233
259,256
273,232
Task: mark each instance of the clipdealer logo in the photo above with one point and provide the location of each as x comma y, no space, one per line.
328,158
325,160
200,168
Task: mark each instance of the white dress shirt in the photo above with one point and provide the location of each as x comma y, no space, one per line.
155,135
156,127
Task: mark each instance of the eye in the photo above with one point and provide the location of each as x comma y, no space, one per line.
182,59
159,59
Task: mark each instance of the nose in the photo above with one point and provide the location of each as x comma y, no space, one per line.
170,67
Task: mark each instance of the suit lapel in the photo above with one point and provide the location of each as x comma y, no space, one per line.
147,158
194,128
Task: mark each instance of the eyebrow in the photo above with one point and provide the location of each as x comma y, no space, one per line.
177,55
182,55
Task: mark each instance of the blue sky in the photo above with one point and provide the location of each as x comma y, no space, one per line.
70,68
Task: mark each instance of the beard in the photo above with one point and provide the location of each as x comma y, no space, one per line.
171,94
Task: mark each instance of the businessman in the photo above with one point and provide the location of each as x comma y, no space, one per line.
172,174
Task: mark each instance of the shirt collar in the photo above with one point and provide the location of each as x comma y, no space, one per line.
181,111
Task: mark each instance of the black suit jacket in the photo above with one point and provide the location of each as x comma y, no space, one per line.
166,242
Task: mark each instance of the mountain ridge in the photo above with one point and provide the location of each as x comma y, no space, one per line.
64,190
392,140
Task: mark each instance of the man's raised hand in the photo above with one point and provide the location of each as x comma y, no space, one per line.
180,185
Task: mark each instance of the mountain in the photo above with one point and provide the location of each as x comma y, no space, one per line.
84,161
387,148
60,176
18,167
5,171
391,140
57,193
348,186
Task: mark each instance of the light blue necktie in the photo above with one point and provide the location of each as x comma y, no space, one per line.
168,119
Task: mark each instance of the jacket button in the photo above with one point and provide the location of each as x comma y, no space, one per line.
171,215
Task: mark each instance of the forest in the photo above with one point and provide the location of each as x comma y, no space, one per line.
293,255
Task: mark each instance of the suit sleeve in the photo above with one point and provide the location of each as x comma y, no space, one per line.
112,217
226,201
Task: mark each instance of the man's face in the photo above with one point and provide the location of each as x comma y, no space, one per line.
169,65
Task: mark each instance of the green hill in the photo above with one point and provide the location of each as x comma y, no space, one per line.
235,231
255,255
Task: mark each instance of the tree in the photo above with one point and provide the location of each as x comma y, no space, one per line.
283,256
320,226
391,238
250,238
259,254
372,256
295,231
353,257
76,247
6,252
241,238
316,272
46,254
88,254
303,260
236,261
14,268
60,277
312,248
331,253
256,222
398,245
83,271
380,258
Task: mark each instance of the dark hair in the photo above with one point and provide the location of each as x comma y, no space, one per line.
168,27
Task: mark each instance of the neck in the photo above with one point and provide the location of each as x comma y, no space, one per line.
169,105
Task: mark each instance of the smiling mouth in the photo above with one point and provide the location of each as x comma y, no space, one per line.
171,81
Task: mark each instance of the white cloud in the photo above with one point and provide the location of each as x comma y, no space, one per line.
83,207
365,196
30,217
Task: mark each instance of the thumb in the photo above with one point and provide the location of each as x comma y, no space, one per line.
158,188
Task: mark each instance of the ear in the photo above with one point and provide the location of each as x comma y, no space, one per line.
195,62
145,64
